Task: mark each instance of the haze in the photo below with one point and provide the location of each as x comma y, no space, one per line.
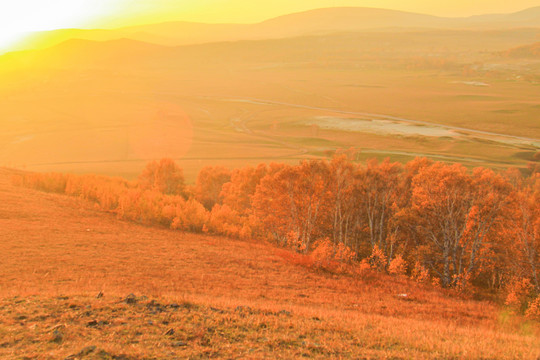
18,18
233,179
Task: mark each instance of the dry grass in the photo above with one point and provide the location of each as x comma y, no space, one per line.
58,253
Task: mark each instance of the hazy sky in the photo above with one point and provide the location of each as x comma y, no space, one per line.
257,10
18,16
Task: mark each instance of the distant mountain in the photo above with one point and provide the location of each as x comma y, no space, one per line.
350,46
82,53
313,22
358,18
347,19
184,33
525,18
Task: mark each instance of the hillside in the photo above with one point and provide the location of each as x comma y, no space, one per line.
200,296
526,51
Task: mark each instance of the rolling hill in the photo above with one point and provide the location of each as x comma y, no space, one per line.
312,22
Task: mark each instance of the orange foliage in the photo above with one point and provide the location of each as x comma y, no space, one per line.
420,273
164,176
398,266
209,183
189,215
465,227
533,311
378,259
519,293
291,200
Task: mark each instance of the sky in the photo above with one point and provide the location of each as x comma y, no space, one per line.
20,16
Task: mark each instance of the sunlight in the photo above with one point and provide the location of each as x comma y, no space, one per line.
21,17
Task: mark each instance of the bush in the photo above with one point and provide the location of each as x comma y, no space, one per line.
533,310
519,293
398,266
378,259
420,274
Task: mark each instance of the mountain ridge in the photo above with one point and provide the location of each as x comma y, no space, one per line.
316,21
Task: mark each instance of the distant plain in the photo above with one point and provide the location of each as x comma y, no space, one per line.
109,104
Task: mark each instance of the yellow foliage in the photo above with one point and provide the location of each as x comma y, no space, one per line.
420,273
398,266
378,259
518,293
190,216
533,311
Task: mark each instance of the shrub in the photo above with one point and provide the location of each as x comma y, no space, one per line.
420,274
378,259
518,293
533,310
398,266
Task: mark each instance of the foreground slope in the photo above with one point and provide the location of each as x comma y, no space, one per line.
201,296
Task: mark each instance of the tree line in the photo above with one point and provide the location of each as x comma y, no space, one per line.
428,220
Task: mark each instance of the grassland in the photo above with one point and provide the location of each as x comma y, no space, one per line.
78,282
110,107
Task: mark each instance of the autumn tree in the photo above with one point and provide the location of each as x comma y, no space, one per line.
237,194
342,203
209,184
291,201
525,231
456,217
380,188
164,176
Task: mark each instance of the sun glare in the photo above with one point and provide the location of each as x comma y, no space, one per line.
17,18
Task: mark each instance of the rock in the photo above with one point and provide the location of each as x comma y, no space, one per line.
154,307
57,336
285,313
87,350
179,344
169,332
219,311
244,309
92,323
131,299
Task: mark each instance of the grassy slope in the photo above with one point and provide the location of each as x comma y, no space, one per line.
222,298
